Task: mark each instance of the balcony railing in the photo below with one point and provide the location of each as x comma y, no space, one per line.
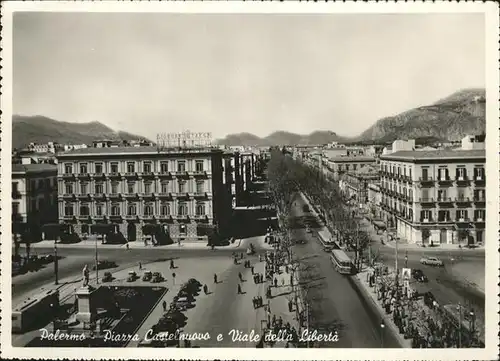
181,173
444,219
147,195
114,195
114,175
83,217
426,200
462,200
462,220
130,175
69,195
68,176
83,175
444,200
201,217
479,219
99,217
165,217
425,220
16,217
99,195
98,175
165,174
200,194
426,180
68,217
115,216
462,179
200,173
182,217
444,180
84,196
16,195
130,217
148,217
165,195
131,195
148,174
480,179
479,199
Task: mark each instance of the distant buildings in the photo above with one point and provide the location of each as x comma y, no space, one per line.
34,198
354,183
338,166
135,191
436,196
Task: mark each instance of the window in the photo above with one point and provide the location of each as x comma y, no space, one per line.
441,195
130,188
99,188
426,215
114,167
131,209
33,205
83,188
15,208
165,209
68,168
461,214
461,193
181,166
148,209
404,171
68,209
98,168
479,173
15,187
443,216
199,166
480,214
147,188
83,168
164,167
182,229
147,167
479,194
84,209
114,188
68,187
130,167
354,166
443,173
85,228
98,209
200,187
409,172
461,173
115,209
399,170
425,194
164,187
425,174
200,209
182,186
182,209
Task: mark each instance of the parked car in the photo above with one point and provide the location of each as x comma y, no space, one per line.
300,241
431,261
105,264
147,276
132,276
108,277
157,277
418,275
328,249
429,298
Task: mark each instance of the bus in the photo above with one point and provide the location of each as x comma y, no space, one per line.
341,262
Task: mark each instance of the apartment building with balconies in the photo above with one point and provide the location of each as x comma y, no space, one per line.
337,166
436,197
34,198
130,189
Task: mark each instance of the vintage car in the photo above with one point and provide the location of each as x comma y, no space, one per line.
108,277
418,275
132,276
157,277
147,276
431,261
105,264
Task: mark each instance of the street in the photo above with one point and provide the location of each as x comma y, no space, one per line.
334,302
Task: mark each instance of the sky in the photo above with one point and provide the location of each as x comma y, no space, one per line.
231,73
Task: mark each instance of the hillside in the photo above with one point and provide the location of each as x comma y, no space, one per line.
279,138
40,129
450,118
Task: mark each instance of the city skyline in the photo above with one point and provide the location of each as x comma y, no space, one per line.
245,83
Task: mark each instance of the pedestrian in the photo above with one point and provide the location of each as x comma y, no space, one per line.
252,269
140,266
164,304
254,302
215,278
239,289
275,282
128,247
205,289
282,282
172,264
240,276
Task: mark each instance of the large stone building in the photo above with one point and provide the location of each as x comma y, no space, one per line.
131,191
34,198
354,184
337,166
435,196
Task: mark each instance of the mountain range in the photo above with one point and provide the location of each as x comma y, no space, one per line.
450,118
40,129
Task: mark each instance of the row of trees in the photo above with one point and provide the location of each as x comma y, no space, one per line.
287,176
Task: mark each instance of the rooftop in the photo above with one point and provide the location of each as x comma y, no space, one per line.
147,150
33,168
436,154
352,159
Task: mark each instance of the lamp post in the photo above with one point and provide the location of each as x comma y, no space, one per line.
459,308
472,324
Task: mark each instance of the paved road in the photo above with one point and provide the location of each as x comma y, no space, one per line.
334,302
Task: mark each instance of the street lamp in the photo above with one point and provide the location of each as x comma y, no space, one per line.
382,326
459,308
472,324
406,259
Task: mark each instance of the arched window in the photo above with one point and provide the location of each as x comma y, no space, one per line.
182,209
131,209
148,209
200,209
68,209
84,209
115,209
165,209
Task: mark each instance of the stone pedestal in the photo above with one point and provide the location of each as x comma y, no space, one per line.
86,309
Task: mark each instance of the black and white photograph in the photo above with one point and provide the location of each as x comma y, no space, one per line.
221,179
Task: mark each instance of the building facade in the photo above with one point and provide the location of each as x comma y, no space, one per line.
178,191
34,198
337,166
436,196
354,184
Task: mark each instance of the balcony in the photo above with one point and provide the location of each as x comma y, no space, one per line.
68,176
165,174
130,195
182,218
183,195
115,217
165,195
426,181
462,220
479,220
165,217
444,200
407,178
182,174
462,180
445,219
479,199
130,175
148,217
200,195
131,217
148,175
425,220
83,175
99,217
99,175
201,217
462,200
426,200
445,181
114,195
200,173
68,217
83,217
114,175
69,196
16,195
480,179
99,196
84,196
147,195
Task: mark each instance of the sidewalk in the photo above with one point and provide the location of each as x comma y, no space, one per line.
135,245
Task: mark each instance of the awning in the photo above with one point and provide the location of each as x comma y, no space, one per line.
102,228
